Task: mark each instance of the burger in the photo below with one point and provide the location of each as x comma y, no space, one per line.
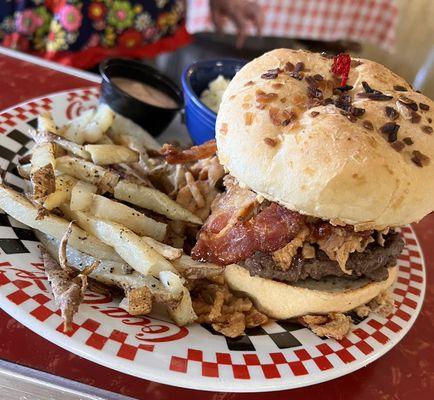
325,158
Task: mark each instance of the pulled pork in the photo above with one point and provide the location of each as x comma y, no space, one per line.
197,197
191,177
208,169
201,186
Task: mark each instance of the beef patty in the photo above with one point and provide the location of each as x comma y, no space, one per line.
371,263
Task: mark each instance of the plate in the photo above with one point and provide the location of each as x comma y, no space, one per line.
280,355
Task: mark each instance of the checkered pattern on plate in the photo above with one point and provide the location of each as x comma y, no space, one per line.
277,356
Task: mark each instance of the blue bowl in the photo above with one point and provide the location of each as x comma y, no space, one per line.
200,120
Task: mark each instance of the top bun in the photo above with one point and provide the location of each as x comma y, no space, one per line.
320,162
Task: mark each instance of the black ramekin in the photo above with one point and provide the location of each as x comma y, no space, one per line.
151,118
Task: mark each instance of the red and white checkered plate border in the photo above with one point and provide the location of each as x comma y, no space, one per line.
153,348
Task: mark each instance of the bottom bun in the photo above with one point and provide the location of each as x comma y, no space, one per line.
282,301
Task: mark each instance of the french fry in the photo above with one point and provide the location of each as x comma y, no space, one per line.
64,186
182,313
63,262
127,244
18,207
88,127
79,260
101,121
168,252
172,282
42,155
111,272
75,129
127,133
71,147
154,200
105,154
191,269
88,172
137,301
24,170
42,170
102,207
105,140
82,196
46,123
45,136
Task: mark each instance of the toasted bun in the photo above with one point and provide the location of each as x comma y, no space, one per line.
282,301
327,166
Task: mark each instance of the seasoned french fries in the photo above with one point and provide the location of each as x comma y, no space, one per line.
191,269
75,129
91,180
44,136
88,172
168,252
62,194
18,207
68,292
42,170
127,133
182,313
102,207
105,140
82,196
105,154
111,272
100,122
154,200
89,127
78,260
74,148
71,147
138,254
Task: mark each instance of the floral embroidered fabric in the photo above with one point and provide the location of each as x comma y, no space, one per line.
83,32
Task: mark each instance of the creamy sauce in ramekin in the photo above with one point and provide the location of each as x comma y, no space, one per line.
145,92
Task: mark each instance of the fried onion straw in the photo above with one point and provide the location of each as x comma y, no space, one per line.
67,284
62,251
174,155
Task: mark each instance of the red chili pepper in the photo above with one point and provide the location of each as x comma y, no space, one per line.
341,67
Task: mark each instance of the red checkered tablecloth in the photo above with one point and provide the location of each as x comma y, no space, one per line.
371,21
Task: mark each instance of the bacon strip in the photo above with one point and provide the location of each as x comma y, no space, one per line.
239,226
174,155
228,238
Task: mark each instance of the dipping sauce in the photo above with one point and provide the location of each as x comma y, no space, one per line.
145,92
